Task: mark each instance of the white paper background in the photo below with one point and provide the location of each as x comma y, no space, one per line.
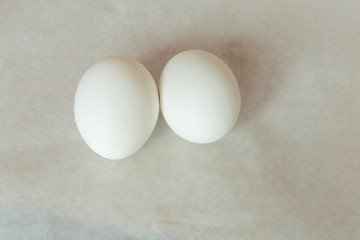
289,170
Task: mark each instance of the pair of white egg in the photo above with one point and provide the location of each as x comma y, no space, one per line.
116,104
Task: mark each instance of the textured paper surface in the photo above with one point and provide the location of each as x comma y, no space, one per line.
289,170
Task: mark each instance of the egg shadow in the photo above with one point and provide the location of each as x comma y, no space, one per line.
255,64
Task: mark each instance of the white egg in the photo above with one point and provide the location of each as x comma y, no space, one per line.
116,107
199,96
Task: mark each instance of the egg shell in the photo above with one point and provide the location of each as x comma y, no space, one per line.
199,96
116,107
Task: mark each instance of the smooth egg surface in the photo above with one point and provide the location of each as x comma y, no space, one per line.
116,107
199,96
